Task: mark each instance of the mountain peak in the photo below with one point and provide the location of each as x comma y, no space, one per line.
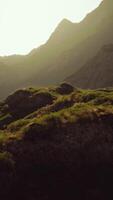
65,21
65,26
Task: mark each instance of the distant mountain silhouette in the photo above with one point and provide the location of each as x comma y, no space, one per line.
70,46
98,72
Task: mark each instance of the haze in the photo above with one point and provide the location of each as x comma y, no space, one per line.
26,24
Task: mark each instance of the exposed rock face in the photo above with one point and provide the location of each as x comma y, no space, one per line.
65,88
24,102
97,73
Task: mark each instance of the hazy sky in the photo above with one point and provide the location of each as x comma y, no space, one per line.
26,24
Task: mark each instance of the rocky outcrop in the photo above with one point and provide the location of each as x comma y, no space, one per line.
61,151
65,88
23,102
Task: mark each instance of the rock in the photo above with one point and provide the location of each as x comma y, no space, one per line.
23,102
65,88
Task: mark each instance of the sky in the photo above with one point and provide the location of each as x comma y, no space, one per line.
26,24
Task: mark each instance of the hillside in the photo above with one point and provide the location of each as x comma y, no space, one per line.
97,73
68,48
57,143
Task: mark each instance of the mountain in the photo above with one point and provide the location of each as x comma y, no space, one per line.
70,46
97,73
56,143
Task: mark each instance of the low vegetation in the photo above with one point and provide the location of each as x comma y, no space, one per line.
64,142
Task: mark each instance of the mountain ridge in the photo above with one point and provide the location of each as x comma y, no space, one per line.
61,55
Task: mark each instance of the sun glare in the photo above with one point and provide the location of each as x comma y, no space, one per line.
26,24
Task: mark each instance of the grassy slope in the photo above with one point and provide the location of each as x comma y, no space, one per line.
59,148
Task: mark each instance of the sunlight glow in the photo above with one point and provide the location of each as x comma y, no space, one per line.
26,24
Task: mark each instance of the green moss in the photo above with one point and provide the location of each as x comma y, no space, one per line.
68,115
95,96
43,90
69,108
4,117
17,125
3,137
73,113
